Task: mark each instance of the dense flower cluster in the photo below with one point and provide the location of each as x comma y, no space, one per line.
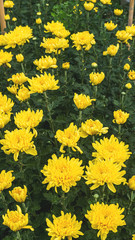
54,44
57,29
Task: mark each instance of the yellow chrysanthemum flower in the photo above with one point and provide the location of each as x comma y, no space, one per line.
23,94
82,101
13,89
28,119
96,78
120,117
110,26
16,221
106,2
14,19
5,58
91,127
123,36
88,6
18,78
62,172
4,119
19,194
19,57
133,237
45,63
128,85
64,226
83,40
69,137
6,104
131,75
66,65
111,50
18,140
8,4
6,180
126,67
102,172
118,12
131,29
105,218
43,83
54,44
38,21
111,149
57,29
131,183
7,17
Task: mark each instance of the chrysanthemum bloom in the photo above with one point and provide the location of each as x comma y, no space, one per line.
38,21
5,58
18,140
18,78
19,57
123,36
83,40
23,94
105,218
131,183
96,78
126,67
6,180
16,221
4,119
43,83
133,237
104,172
131,75
110,26
69,137
120,117
128,85
45,63
131,29
82,101
88,6
8,4
111,50
57,29
111,149
28,119
6,104
14,19
106,2
66,65
118,12
19,194
7,17
2,40
91,127
62,172
63,227
54,44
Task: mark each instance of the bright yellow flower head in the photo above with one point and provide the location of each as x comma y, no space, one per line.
7,17
111,50
62,172
6,180
105,218
126,67
133,237
15,220
106,2
131,29
19,57
96,78
120,117
111,149
69,137
66,65
18,140
43,83
64,226
91,127
131,183
5,58
102,172
54,44
13,89
82,101
14,19
18,78
19,194
4,119
123,36
57,29
88,6
110,26
6,104
131,75
118,12
45,63
83,40
23,94
28,119
128,85
38,21
8,4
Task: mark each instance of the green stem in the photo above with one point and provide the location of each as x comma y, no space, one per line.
103,192
93,138
2,197
64,202
82,69
24,207
49,112
18,236
80,117
65,82
88,16
22,66
131,201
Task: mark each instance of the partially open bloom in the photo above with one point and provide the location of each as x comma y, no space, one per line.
14,19
23,94
38,21
111,149
62,172
91,127
118,12
131,29
126,67
54,44
19,57
69,137
88,6
110,26
131,75
7,17
8,4
128,85
57,28
5,58
96,78
64,226
82,101
45,63
131,183
123,36
6,180
106,2
16,221
19,194
66,65
4,119
18,78
18,140
13,89
6,104
120,117
83,40
111,50
102,172
105,218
